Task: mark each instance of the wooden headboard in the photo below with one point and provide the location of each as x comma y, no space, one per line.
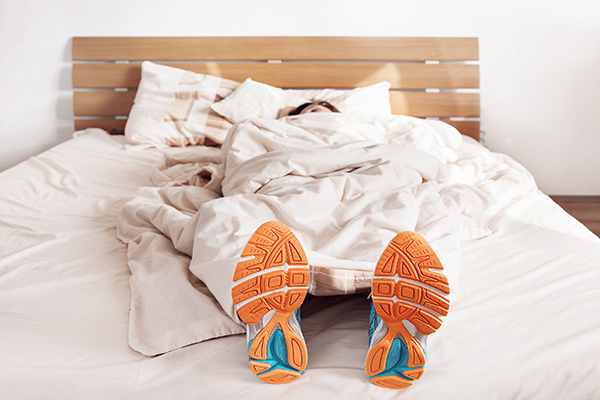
431,77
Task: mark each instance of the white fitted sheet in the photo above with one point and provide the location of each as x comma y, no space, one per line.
525,323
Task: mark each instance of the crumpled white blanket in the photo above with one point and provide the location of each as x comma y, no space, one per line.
344,184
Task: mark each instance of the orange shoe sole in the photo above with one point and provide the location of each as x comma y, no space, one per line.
406,287
273,279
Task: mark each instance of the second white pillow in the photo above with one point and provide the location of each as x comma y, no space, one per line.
254,99
373,99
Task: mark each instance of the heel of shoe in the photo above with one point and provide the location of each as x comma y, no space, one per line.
278,353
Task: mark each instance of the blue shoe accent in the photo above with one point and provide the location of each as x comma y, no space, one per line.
396,372
277,354
396,363
271,347
374,322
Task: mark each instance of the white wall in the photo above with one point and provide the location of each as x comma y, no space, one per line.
540,63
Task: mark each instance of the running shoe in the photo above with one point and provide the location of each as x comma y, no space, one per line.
409,298
270,285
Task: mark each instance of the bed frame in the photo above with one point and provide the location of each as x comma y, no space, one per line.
431,77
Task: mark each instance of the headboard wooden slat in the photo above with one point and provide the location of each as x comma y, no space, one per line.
102,103
307,62
275,48
304,75
418,104
440,105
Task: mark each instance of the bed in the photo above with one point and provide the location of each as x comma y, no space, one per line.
99,279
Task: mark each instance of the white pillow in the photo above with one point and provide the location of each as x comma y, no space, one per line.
255,99
172,108
373,99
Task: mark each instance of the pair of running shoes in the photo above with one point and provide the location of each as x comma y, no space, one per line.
409,297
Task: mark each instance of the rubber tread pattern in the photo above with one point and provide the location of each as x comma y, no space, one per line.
265,286
405,288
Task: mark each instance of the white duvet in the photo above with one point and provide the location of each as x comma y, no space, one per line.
344,184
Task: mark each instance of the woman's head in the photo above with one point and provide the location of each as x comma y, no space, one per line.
314,107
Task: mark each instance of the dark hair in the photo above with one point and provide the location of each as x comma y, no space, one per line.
299,109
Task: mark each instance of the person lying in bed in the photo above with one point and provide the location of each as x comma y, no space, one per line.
314,107
317,106
272,280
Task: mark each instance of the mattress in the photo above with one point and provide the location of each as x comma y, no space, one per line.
524,325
